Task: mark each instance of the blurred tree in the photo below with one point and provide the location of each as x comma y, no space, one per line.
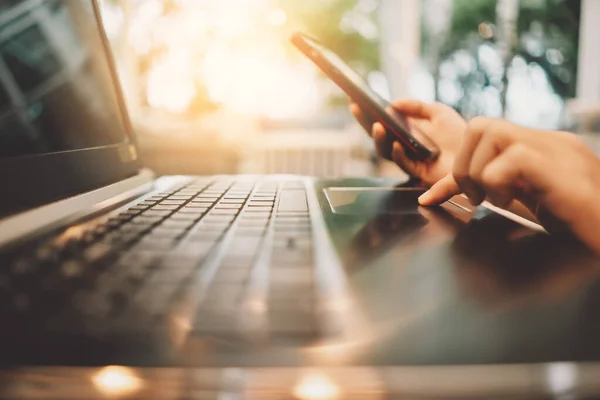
346,26
546,33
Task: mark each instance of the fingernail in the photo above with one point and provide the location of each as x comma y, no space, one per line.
425,198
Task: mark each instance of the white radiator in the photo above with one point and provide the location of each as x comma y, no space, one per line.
323,154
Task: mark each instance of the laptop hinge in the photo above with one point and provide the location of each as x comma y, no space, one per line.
41,219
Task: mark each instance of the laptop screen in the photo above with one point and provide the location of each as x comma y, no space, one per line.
63,128
55,92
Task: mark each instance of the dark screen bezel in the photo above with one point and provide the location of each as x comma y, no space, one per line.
427,152
34,180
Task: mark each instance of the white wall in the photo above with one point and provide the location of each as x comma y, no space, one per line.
588,83
400,42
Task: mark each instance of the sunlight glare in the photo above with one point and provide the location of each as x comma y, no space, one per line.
170,86
277,17
223,48
316,387
117,381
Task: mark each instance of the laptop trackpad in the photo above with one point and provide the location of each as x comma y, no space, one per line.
373,201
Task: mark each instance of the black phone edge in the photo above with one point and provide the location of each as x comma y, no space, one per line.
415,149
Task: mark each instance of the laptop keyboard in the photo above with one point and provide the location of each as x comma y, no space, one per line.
217,257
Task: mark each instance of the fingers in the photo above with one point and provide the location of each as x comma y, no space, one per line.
414,108
363,119
443,190
502,177
462,165
495,160
383,141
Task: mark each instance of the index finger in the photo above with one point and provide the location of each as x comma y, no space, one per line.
441,191
461,170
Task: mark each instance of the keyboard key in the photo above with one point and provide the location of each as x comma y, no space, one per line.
164,207
187,216
218,219
291,243
178,197
220,212
292,229
151,243
138,208
232,201
193,251
205,236
225,206
257,215
160,233
146,219
245,246
248,223
159,215
172,202
250,231
138,265
130,213
97,253
257,203
199,203
113,223
147,203
175,224
258,209
207,199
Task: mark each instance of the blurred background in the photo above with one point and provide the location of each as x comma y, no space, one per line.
215,86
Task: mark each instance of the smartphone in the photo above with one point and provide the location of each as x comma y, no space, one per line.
416,144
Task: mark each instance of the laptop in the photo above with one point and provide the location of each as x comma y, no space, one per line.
104,263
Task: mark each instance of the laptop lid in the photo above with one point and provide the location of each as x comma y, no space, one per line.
63,124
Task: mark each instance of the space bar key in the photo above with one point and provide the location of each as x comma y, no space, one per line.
292,200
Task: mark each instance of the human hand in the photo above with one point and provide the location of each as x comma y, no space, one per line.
554,174
439,122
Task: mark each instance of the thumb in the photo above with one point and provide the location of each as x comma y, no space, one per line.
443,190
413,108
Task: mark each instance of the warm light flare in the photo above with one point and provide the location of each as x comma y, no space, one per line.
231,52
259,82
117,381
316,386
277,17
170,84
